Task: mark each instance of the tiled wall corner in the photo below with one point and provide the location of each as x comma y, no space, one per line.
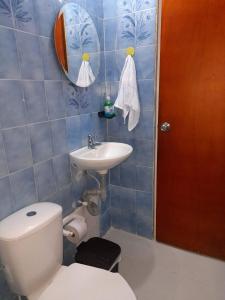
132,23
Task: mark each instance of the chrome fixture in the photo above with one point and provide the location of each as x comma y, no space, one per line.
92,143
165,127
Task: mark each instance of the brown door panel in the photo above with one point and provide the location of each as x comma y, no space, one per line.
191,156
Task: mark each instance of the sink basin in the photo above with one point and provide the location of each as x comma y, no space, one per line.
102,158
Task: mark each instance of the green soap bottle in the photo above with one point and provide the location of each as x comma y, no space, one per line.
108,108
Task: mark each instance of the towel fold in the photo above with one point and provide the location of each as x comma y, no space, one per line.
85,77
127,99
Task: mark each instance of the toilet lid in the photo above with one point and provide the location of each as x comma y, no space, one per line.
80,282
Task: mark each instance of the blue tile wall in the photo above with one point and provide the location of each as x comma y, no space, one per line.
23,188
42,115
30,60
132,23
9,67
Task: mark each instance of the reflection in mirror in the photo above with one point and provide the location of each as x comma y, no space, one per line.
75,34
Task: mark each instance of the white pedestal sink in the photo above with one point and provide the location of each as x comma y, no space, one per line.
102,158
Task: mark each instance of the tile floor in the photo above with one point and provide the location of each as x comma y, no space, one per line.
159,272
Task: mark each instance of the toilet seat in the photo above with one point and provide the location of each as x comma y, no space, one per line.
81,282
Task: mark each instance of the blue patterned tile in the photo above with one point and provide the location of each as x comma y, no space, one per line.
145,4
99,127
52,69
126,31
78,186
112,89
144,214
41,141
6,13
128,175
54,198
45,14
109,8
85,101
105,205
30,56
123,201
24,16
145,62
125,6
3,160
34,94
144,179
23,188
115,176
12,106
55,99
72,95
6,199
117,127
73,132
105,223
67,199
145,127
112,70
100,77
115,218
130,141
146,90
120,60
59,136
110,28
9,67
85,125
95,97
144,152
17,147
95,8
145,27
62,170
123,221
45,180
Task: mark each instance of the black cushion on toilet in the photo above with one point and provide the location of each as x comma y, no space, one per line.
98,252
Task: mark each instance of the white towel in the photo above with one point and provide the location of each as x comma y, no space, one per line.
85,76
127,99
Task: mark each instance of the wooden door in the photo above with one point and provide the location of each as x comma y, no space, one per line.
191,155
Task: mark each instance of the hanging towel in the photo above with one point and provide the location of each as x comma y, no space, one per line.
127,99
85,76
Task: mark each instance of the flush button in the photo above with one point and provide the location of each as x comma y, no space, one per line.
31,213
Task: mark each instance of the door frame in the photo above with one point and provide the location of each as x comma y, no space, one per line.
157,79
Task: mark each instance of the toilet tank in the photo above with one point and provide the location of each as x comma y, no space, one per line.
31,246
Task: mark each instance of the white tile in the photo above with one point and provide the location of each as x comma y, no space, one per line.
159,272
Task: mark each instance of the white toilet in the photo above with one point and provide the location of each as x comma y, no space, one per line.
31,251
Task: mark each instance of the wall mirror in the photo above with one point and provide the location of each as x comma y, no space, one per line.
75,34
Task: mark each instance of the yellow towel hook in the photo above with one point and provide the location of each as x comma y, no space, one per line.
130,51
86,56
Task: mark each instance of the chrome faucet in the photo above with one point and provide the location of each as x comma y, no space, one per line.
92,143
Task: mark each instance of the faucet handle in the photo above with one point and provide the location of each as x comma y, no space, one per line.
90,141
